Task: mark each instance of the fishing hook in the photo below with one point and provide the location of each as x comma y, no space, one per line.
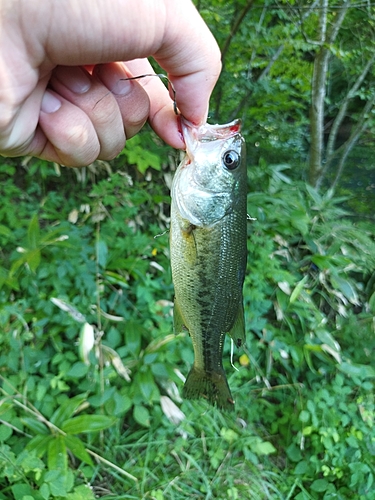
160,75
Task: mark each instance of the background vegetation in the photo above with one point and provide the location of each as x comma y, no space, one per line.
90,372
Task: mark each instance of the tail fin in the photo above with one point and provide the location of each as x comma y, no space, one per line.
212,386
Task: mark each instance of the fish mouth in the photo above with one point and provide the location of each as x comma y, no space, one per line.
207,133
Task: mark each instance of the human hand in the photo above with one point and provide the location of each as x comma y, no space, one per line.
88,110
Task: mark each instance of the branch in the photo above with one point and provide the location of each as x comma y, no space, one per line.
361,126
225,48
264,73
235,28
344,106
273,59
331,154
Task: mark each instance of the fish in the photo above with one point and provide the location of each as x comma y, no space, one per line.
208,233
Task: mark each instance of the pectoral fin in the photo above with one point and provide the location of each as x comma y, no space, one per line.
190,250
237,333
178,322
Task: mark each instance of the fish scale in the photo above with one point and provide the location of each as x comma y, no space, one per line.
208,253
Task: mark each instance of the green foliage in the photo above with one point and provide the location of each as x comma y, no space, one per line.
307,293
91,372
268,54
137,154
317,262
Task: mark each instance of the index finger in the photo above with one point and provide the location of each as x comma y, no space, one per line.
190,55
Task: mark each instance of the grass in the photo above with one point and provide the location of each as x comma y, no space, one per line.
202,458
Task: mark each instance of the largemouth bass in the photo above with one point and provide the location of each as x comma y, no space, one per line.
208,252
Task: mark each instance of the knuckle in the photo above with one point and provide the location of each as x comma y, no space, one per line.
79,147
137,115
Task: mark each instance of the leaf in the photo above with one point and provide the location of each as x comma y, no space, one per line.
33,233
57,457
111,356
133,336
147,384
117,279
140,156
57,482
87,423
39,444
141,415
5,231
78,449
53,237
6,278
45,491
297,290
319,485
29,461
304,416
122,404
346,288
322,261
301,467
357,370
78,370
284,286
326,338
263,448
64,306
102,253
33,258
35,425
371,303
300,220
22,491
333,352
5,432
81,492
67,409
314,195
86,342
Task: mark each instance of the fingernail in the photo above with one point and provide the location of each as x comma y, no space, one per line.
74,78
50,103
115,80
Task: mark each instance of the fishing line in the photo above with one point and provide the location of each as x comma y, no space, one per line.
161,76
161,234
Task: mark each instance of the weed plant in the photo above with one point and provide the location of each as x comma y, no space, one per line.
91,374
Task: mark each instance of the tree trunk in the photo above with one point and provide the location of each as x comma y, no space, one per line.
318,88
317,114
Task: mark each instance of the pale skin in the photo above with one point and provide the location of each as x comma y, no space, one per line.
63,96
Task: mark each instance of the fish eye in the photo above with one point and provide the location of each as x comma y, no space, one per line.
231,159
